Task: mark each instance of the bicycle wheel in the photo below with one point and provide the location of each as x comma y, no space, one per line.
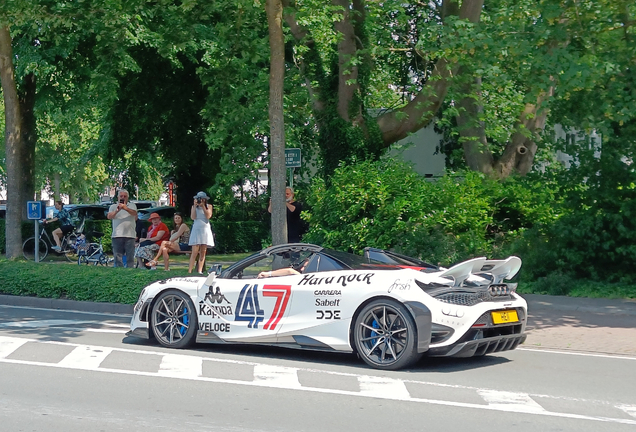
103,260
28,249
69,247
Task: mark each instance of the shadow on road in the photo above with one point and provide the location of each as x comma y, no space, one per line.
258,354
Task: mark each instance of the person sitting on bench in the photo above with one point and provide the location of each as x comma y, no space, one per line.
178,242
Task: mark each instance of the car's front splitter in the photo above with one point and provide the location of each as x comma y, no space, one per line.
139,332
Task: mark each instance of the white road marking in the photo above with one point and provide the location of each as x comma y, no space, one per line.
85,357
8,345
629,409
276,376
509,401
281,375
68,311
582,354
181,366
41,323
100,330
382,387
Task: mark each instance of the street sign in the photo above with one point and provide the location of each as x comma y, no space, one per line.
36,210
292,158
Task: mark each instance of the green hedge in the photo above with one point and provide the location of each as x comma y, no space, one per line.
236,237
73,282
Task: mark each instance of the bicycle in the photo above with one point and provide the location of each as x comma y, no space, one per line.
68,246
92,252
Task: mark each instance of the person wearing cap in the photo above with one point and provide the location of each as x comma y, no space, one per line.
124,215
201,234
157,233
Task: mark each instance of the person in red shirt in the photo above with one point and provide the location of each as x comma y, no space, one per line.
148,246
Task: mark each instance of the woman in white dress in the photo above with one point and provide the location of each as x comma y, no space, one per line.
201,234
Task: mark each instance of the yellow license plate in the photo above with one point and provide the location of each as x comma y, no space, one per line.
506,316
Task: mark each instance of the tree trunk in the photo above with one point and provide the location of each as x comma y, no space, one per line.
347,70
56,184
274,9
396,125
472,131
519,153
14,147
29,136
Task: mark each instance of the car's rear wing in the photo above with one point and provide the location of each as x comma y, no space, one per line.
498,269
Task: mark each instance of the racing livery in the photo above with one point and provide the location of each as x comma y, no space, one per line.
389,309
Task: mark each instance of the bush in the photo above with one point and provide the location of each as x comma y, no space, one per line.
83,283
386,204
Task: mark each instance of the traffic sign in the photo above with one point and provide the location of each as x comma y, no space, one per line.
36,210
292,158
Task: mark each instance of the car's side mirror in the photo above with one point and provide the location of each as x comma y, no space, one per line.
216,269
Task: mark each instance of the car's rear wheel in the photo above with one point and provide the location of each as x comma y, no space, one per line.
385,335
174,320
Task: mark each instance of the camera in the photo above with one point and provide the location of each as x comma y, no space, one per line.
198,200
121,201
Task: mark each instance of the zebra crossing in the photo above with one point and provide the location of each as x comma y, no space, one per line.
227,371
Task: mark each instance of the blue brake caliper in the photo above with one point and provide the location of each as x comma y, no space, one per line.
186,320
374,324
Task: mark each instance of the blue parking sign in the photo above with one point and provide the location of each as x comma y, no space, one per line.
34,210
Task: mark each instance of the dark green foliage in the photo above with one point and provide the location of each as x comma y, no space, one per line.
386,204
157,118
84,283
244,236
341,142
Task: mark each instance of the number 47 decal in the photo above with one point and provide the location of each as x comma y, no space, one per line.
248,307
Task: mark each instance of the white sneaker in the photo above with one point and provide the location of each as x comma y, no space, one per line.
152,268
56,248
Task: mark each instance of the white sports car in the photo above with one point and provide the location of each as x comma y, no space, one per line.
389,309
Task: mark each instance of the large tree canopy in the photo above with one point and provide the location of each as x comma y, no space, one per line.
180,89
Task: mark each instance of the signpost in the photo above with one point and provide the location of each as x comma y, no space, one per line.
292,160
36,210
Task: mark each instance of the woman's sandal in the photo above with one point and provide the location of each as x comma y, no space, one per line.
152,263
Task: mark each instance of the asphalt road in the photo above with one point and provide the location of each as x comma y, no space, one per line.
71,371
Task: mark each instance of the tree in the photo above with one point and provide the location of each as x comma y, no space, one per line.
487,71
274,10
338,68
14,147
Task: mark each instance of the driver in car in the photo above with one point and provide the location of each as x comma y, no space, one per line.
286,271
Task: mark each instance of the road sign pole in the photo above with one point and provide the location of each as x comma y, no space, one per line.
37,240
291,178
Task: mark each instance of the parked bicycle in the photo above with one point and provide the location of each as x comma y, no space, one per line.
68,245
92,252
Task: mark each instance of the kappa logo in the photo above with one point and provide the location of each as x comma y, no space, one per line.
216,297
248,306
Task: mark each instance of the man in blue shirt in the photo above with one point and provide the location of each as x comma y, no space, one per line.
66,226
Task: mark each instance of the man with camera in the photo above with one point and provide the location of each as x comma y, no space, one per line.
124,215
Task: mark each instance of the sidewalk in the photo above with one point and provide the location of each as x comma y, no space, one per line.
602,326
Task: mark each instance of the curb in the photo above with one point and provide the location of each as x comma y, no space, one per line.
74,305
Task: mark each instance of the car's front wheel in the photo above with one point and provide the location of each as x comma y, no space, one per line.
174,319
385,335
